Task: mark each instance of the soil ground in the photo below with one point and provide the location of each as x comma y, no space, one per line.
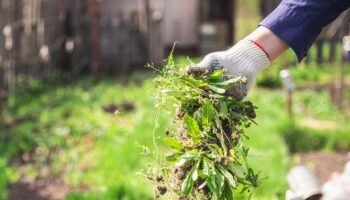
48,187
39,189
325,164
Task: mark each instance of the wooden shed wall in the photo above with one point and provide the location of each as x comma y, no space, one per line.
181,22
122,39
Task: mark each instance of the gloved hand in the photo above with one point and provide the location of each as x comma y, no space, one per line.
246,59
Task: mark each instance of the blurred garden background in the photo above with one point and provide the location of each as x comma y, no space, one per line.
67,66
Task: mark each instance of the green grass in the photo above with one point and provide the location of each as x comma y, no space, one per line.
66,123
277,134
94,147
106,152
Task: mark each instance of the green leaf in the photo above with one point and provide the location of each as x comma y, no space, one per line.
242,192
227,84
220,181
197,115
223,108
245,151
171,57
205,166
253,178
172,92
189,81
217,75
227,175
217,89
192,127
214,180
236,169
187,184
216,151
253,121
221,138
228,193
173,143
172,157
191,155
212,184
208,113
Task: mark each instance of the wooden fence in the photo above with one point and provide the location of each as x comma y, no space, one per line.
39,39
43,39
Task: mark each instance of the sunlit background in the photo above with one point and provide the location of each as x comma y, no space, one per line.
67,66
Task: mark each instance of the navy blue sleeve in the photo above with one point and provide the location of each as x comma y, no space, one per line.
299,22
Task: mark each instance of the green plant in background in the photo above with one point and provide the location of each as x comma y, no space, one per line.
209,158
3,178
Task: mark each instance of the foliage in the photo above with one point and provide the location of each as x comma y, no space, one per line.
3,179
319,125
269,80
209,158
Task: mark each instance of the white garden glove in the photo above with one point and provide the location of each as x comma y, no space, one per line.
244,59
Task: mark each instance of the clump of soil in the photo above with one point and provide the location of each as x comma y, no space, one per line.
111,108
127,106
124,107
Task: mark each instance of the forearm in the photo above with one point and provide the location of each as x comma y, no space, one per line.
299,22
272,44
